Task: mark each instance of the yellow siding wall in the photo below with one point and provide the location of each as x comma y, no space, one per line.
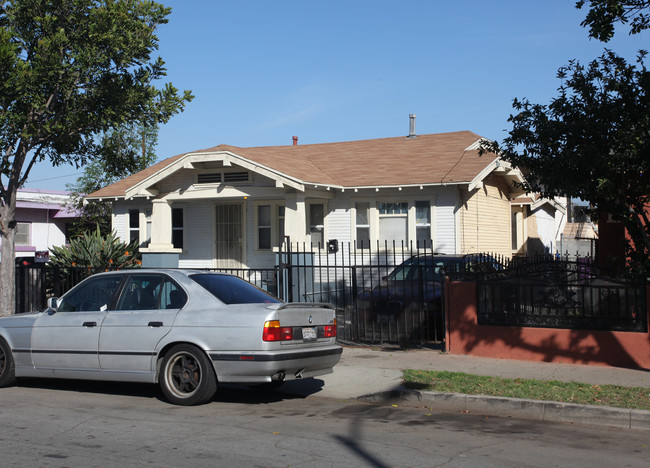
485,217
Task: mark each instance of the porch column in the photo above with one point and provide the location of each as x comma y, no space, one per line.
160,253
295,218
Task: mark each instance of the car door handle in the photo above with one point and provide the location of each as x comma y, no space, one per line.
155,324
90,324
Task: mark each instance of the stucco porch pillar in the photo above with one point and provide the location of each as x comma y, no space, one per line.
160,252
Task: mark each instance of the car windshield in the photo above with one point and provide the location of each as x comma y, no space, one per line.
233,290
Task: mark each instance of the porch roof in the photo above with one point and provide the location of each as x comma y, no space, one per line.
434,159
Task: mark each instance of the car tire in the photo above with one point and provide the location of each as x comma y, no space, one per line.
187,377
7,369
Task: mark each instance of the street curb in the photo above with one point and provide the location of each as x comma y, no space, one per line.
638,420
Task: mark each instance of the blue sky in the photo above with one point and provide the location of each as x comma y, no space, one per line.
263,71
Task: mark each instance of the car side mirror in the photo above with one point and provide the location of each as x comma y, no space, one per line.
52,302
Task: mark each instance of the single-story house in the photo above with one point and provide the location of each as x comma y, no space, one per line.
43,220
232,207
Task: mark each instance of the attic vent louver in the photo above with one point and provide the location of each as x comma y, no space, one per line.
235,176
209,178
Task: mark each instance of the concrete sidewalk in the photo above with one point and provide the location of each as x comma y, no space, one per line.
375,374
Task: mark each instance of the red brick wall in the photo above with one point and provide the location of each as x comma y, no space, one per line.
466,336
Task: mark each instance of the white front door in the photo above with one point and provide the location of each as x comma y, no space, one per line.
229,236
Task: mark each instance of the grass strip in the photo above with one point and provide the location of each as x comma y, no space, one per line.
549,390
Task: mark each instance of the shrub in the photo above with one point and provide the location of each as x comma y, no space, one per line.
97,253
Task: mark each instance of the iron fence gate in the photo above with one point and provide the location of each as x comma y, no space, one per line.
383,293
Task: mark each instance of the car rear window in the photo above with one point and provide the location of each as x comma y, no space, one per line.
233,290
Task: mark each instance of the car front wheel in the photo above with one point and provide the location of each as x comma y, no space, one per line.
187,377
7,371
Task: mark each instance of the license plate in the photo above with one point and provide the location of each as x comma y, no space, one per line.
308,333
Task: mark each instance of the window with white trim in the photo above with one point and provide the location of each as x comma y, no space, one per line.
134,225
177,228
264,229
281,231
23,234
400,223
423,224
317,224
270,225
393,222
363,224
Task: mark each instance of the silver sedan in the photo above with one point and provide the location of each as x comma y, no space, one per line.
186,330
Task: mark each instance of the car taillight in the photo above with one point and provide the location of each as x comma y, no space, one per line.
330,330
274,332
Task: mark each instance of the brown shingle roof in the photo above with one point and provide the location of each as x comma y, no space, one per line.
426,159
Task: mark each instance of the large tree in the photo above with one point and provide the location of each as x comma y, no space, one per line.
71,70
124,151
602,16
591,142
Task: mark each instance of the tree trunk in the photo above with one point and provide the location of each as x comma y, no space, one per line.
7,257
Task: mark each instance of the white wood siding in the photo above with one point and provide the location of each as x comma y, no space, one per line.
445,220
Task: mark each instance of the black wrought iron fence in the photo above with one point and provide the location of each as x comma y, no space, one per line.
384,293
552,293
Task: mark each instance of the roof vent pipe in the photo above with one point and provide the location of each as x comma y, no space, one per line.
295,141
412,126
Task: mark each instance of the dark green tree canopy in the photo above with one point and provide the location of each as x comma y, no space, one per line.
73,69
70,71
591,142
602,16
124,151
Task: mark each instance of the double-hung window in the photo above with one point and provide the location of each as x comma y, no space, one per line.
270,225
363,225
23,234
401,223
134,225
177,228
423,224
264,229
393,222
317,224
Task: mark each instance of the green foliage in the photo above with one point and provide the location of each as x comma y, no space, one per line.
603,14
71,71
591,142
125,150
96,252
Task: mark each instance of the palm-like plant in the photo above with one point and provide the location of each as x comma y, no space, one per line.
97,253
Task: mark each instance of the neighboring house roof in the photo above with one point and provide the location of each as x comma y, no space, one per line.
436,159
39,199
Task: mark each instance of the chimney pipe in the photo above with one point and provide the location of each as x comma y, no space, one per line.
295,141
412,126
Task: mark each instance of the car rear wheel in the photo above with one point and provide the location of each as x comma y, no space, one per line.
7,371
187,377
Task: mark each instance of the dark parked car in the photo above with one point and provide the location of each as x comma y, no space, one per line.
415,287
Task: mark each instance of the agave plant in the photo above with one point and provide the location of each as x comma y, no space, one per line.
97,253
